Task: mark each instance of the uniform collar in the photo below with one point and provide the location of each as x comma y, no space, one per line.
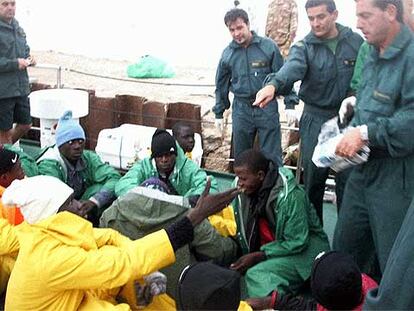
403,38
256,39
343,32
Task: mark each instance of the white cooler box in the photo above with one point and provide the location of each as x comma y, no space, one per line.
122,146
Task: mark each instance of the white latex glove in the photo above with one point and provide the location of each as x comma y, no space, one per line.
157,282
347,108
291,116
154,284
219,125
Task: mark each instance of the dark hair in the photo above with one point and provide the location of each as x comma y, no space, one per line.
330,4
178,126
382,4
254,160
234,14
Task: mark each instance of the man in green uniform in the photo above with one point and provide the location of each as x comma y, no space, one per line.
168,163
379,192
92,180
243,66
277,228
324,61
14,81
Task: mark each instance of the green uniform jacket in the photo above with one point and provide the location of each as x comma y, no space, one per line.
28,163
13,45
299,234
385,101
325,76
96,172
187,178
243,70
136,215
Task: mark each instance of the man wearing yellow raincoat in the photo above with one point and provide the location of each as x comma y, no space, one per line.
65,264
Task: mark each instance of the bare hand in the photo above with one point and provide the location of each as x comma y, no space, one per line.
23,63
32,60
350,144
263,303
209,204
86,206
247,261
264,96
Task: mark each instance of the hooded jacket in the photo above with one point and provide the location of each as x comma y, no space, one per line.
63,260
187,178
96,172
297,230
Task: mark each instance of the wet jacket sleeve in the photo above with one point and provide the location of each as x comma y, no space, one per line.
8,242
395,133
109,266
135,176
209,243
293,70
292,228
223,78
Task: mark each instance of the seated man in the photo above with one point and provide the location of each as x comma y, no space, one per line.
92,180
10,170
168,163
27,162
184,135
65,264
149,208
278,229
336,283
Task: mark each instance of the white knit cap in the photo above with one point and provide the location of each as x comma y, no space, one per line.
38,197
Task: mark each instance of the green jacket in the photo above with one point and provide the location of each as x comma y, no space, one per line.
136,215
28,163
385,101
325,76
187,178
243,70
13,45
298,232
364,50
97,174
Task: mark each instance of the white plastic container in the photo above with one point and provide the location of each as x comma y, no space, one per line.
49,105
121,147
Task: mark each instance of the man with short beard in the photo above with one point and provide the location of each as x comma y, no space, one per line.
324,61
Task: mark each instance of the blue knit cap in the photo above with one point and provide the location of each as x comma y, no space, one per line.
68,129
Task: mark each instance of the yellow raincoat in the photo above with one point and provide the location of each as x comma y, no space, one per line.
9,246
65,264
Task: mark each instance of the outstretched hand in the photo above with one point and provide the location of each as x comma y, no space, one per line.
264,96
209,204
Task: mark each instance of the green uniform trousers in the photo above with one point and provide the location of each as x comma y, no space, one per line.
376,199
